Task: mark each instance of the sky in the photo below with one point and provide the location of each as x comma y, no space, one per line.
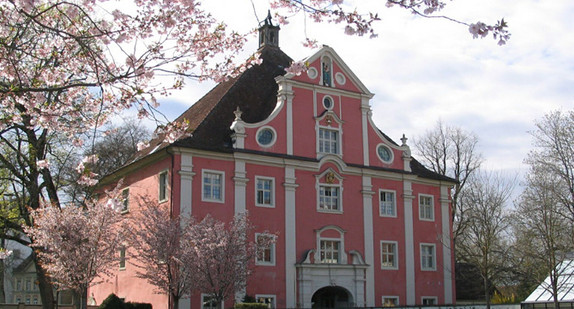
425,70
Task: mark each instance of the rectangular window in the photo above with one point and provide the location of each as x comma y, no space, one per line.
265,249
209,302
163,184
18,285
390,301
387,204
66,298
428,257
28,285
328,141
264,192
429,301
330,251
426,207
123,258
269,300
213,186
329,198
126,200
389,255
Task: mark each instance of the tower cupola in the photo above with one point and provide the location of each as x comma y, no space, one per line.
268,33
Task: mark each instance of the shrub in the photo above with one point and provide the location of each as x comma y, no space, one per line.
112,302
137,306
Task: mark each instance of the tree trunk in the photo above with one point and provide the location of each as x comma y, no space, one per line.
46,288
2,293
174,302
486,292
83,298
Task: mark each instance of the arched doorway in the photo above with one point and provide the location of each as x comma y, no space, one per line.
332,297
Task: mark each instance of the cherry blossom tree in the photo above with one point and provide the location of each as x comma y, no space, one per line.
68,65
161,247
223,256
77,245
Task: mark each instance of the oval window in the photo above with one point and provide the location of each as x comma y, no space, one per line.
385,153
265,137
328,102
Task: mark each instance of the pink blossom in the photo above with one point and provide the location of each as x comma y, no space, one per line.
297,68
4,254
141,146
42,164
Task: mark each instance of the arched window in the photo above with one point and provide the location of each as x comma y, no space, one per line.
330,245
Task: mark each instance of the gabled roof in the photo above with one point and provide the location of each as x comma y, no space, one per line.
254,92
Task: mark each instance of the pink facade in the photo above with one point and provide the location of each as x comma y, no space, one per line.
359,221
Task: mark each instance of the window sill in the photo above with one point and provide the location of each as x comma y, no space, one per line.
327,211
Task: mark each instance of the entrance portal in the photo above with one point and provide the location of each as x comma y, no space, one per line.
332,297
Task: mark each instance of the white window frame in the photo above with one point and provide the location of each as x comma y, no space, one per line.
424,255
204,295
385,297
221,175
423,215
271,204
339,205
122,260
324,253
163,187
272,251
271,305
273,138
125,200
322,141
395,254
434,299
394,204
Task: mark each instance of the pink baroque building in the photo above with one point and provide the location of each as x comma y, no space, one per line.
359,221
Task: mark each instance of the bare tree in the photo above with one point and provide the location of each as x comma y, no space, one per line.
545,212
553,140
484,242
452,152
544,234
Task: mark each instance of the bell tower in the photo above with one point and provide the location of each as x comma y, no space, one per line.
268,33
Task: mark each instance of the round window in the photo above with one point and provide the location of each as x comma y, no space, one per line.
385,153
265,137
328,102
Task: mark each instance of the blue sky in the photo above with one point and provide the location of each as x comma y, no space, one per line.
422,70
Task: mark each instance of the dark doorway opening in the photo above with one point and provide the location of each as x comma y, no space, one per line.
332,297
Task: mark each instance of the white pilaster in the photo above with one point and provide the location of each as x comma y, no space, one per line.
186,177
410,262
446,244
285,93
290,238
369,244
366,113
240,181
